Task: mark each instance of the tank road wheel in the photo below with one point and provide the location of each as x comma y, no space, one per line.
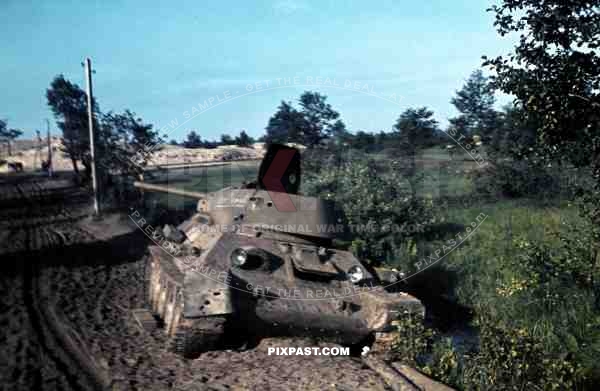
188,337
194,336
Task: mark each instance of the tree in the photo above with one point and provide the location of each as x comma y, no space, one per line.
318,118
8,135
243,140
416,129
193,140
285,125
68,103
516,136
173,142
125,143
364,141
475,103
227,140
554,72
315,121
339,133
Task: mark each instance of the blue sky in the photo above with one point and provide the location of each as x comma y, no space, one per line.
161,60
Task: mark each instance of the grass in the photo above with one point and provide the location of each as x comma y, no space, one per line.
199,179
482,260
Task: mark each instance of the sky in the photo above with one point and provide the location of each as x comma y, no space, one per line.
222,66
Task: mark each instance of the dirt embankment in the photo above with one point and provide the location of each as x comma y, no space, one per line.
31,154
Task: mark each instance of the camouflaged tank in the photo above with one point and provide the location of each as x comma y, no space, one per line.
260,260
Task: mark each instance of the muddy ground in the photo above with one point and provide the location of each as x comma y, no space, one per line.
67,290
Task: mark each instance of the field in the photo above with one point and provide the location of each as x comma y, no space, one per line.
200,179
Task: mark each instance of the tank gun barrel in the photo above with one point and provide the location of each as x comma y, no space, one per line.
169,190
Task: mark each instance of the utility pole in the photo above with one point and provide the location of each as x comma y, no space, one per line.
38,152
49,149
88,75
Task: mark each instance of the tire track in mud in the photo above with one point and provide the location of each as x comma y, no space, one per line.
76,372
39,323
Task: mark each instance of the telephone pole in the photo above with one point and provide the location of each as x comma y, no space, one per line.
88,75
49,149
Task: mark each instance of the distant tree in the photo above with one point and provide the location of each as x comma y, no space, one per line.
8,135
193,140
243,140
173,142
364,141
315,121
339,133
319,118
68,103
227,140
3,132
285,125
475,103
209,144
415,130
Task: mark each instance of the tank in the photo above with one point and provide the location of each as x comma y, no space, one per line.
262,260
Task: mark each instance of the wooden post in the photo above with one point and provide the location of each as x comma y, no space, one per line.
88,74
49,149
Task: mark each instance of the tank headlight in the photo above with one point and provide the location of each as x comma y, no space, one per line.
239,257
248,257
355,274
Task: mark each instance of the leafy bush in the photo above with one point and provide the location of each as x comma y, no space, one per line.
412,340
514,359
378,202
444,363
516,179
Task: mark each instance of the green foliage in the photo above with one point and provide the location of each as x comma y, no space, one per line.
122,141
243,140
68,103
8,135
522,178
285,125
315,121
554,72
193,140
416,130
123,144
444,363
514,359
412,339
516,136
227,140
377,200
475,103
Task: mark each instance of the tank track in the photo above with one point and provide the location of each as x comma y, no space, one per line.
194,336
188,337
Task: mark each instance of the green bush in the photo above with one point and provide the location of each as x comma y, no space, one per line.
379,204
444,363
412,340
516,179
514,359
